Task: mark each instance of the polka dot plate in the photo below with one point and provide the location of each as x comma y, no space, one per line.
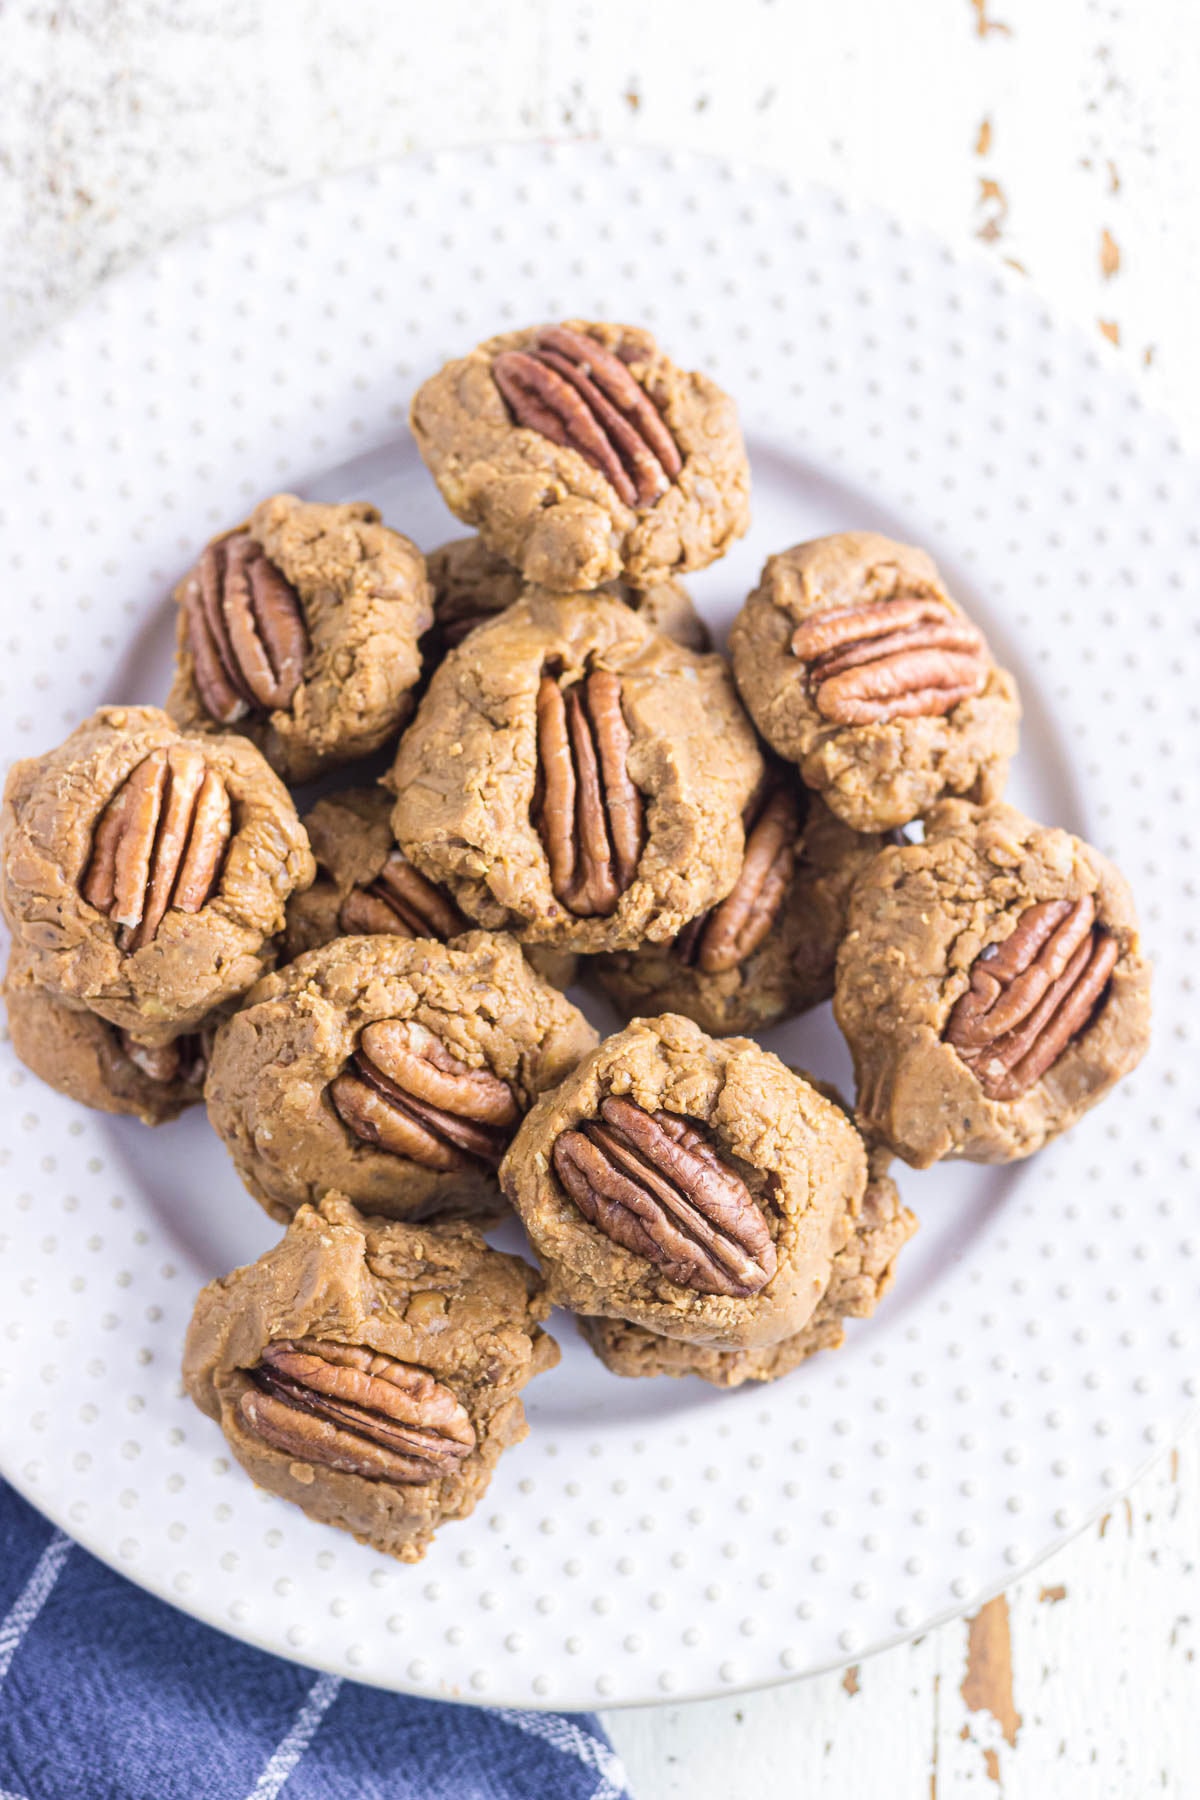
650,1539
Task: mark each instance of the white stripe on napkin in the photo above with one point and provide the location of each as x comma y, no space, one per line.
568,1738
31,1599
321,1696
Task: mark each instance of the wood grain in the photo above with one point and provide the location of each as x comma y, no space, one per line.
987,1683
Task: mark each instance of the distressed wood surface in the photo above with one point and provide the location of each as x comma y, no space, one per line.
1080,1681
1063,137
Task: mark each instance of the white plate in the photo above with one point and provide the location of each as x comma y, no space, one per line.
650,1539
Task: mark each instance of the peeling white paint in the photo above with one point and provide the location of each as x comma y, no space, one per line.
1105,1680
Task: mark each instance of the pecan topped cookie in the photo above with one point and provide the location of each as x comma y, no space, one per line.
396,1068
364,885
991,985
768,950
583,455
144,871
299,630
370,1372
577,778
857,666
691,1185
859,1276
471,583
87,1059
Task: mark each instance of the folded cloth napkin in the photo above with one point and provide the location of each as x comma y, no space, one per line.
107,1694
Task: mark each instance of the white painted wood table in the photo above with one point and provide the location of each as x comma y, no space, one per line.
1061,134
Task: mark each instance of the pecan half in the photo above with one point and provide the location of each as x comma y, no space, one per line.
653,1183
183,1059
159,844
1031,995
730,933
890,659
356,1411
587,810
401,902
246,630
408,1093
579,395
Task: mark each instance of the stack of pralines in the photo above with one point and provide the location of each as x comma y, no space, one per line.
369,999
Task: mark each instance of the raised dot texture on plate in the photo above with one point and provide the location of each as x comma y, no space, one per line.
856,420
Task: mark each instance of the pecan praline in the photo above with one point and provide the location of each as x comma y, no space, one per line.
290,1097
857,665
794,1151
475,811
525,450
787,971
939,1071
68,833
471,584
860,1275
299,629
283,1355
81,1055
351,837
366,886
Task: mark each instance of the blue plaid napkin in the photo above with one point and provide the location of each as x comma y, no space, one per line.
107,1694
